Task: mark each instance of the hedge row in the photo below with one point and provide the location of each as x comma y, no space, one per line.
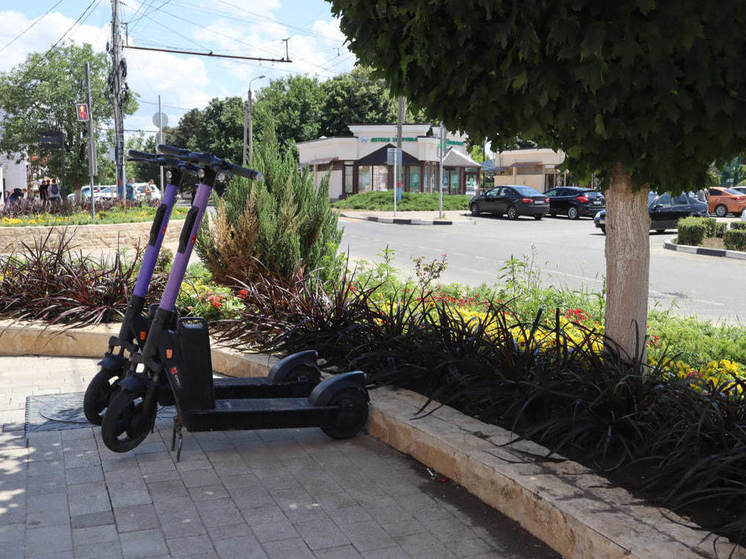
694,230
735,239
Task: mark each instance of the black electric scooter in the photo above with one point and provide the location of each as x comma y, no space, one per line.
135,324
295,375
339,405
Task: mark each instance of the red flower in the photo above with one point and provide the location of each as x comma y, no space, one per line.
243,293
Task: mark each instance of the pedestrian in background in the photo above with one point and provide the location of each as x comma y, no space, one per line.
54,192
44,190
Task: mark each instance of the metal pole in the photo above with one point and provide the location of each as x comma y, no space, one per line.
117,98
91,151
398,168
396,157
251,127
62,155
160,141
245,113
440,179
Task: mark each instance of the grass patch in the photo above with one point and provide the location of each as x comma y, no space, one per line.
410,201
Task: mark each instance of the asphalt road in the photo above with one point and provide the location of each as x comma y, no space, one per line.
567,253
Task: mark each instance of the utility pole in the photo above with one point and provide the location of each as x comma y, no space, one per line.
91,143
398,169
440,178
117,98
250,124
160,141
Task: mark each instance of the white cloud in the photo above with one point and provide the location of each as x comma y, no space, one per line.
40,37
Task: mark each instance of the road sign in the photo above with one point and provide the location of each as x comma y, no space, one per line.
393,156
163,119
82,110
52,138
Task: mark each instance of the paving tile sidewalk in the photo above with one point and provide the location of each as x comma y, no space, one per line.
455,216
264,494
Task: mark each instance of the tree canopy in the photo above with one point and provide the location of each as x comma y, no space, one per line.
656,85
41,94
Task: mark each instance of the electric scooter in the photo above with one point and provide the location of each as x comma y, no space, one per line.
135,324
339,405
295,375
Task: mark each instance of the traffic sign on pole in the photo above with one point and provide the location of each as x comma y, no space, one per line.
82,110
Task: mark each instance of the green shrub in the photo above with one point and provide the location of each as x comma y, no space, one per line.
274,226
738,225
735,239
719,230
693,230
410,201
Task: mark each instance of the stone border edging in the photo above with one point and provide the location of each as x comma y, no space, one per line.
402,220
575,511
670,245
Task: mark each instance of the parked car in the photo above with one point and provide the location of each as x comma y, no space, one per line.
99,193
512,200
574,201
664,211
140,192
741,189
721,201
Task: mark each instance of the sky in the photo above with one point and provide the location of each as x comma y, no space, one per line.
236,27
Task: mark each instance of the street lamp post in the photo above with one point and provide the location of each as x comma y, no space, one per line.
250,125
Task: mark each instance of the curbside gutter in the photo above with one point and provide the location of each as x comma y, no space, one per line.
575,511
402,220
670,245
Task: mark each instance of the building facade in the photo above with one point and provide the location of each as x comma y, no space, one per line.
537,168
357,163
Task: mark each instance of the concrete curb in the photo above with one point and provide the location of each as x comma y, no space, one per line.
576,512
669,245
403,220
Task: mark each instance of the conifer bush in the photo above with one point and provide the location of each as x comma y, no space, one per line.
273,226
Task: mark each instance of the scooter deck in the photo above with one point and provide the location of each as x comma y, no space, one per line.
259,387
265,413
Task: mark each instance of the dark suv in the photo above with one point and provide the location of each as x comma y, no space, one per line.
665,211
511,200
574,201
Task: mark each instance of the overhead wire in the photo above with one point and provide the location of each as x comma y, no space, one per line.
34,22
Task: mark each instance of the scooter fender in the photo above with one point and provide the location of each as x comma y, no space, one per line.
134,384
280,370
326,390
112,363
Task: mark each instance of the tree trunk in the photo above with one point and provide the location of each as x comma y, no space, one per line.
627,263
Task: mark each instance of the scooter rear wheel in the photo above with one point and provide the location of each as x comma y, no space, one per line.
352,416
99,393
126,422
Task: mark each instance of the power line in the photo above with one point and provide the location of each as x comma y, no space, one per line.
37,20
210,54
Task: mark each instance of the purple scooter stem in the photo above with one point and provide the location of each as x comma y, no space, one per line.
151,252
176,277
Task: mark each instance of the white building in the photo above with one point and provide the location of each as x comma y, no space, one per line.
537,168
12,174
357,163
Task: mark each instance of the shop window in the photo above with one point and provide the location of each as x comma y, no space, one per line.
348,179
364,179
415,176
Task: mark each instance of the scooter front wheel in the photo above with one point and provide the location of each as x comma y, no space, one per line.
126,422
352,414
99,392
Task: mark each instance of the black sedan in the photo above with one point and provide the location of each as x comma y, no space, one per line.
574,201
512,201
665,211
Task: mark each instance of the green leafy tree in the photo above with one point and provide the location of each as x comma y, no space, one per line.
647,92
292,107
272,226
41,94
355,97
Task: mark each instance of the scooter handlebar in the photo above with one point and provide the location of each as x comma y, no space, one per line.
209,160
135,155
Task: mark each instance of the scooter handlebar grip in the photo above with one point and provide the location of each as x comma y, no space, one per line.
141,155
250,174
172,150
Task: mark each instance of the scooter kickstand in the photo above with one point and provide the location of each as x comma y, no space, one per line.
177,432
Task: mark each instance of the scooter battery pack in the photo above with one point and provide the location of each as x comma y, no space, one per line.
194,369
